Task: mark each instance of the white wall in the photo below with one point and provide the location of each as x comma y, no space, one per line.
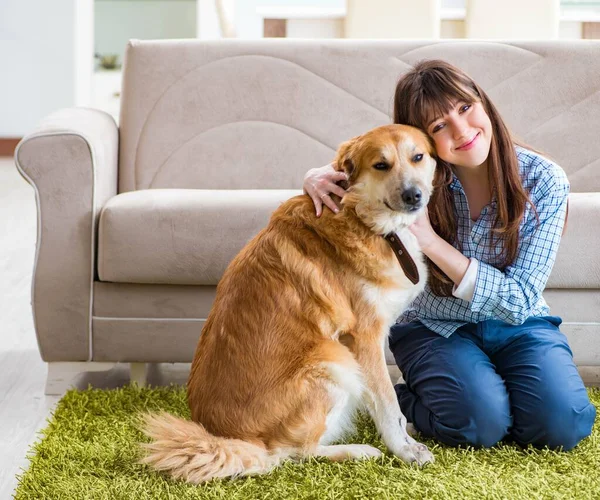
83,46
208,26
39,61
311,28
404,19
118,21
572,30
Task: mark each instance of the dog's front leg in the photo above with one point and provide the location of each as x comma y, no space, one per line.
383,404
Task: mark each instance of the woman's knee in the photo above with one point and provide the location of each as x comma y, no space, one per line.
453,391
482,419
550,403
561,426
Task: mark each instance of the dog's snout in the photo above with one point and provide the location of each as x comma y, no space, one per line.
412,196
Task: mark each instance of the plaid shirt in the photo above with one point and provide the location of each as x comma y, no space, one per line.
515,294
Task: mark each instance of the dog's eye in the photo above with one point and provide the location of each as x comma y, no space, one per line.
417,158
381,166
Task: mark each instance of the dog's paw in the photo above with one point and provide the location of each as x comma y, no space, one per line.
363,451
416,453
424,456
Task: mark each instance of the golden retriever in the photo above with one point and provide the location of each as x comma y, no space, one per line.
294,342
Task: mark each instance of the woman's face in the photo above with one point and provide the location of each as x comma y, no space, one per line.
462,136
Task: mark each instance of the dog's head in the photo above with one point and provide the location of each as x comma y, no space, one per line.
390,171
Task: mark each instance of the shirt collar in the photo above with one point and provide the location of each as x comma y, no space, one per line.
455,184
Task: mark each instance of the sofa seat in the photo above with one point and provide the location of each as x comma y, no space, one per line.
180,236
577,265
177,236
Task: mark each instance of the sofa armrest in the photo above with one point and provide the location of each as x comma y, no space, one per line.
71,161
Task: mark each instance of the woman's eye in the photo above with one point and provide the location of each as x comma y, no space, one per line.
465,107
381,166
417,158
437,128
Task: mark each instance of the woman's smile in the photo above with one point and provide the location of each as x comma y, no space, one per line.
470,143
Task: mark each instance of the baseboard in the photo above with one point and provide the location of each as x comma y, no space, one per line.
8,145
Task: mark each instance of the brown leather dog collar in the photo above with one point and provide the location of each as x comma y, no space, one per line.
408,264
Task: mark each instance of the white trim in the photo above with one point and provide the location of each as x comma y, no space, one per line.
568,13
453,14
580,14
91,337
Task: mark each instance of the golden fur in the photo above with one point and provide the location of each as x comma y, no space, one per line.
294,341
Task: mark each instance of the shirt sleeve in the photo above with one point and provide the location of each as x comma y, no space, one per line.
511,295
466,287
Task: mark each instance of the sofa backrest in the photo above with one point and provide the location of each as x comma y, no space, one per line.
258,114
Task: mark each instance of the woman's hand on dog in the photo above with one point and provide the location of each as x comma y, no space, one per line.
424,232
320,182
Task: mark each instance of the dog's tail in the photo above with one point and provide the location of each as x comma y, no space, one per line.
186,450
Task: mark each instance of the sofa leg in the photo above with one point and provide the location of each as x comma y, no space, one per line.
62,374
137,374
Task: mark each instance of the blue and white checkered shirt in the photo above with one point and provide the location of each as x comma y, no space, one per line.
515,294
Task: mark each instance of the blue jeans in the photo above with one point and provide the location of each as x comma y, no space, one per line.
492,380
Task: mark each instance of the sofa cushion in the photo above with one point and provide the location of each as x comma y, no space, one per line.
577,264
179,236
191,106
189,236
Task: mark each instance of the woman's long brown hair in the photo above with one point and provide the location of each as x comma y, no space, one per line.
430,90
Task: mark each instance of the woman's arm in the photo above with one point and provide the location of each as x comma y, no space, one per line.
511,294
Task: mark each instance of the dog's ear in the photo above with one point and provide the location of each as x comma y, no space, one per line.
432,151
345,161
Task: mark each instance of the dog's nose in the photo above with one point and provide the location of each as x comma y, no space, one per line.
412,196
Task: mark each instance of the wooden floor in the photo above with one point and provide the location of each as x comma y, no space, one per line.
23,406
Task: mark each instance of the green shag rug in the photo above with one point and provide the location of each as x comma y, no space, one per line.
90,449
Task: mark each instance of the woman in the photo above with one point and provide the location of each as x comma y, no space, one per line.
481,357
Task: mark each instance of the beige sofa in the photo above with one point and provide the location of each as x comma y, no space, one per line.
136,224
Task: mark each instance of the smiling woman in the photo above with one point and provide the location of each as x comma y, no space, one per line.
482,329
